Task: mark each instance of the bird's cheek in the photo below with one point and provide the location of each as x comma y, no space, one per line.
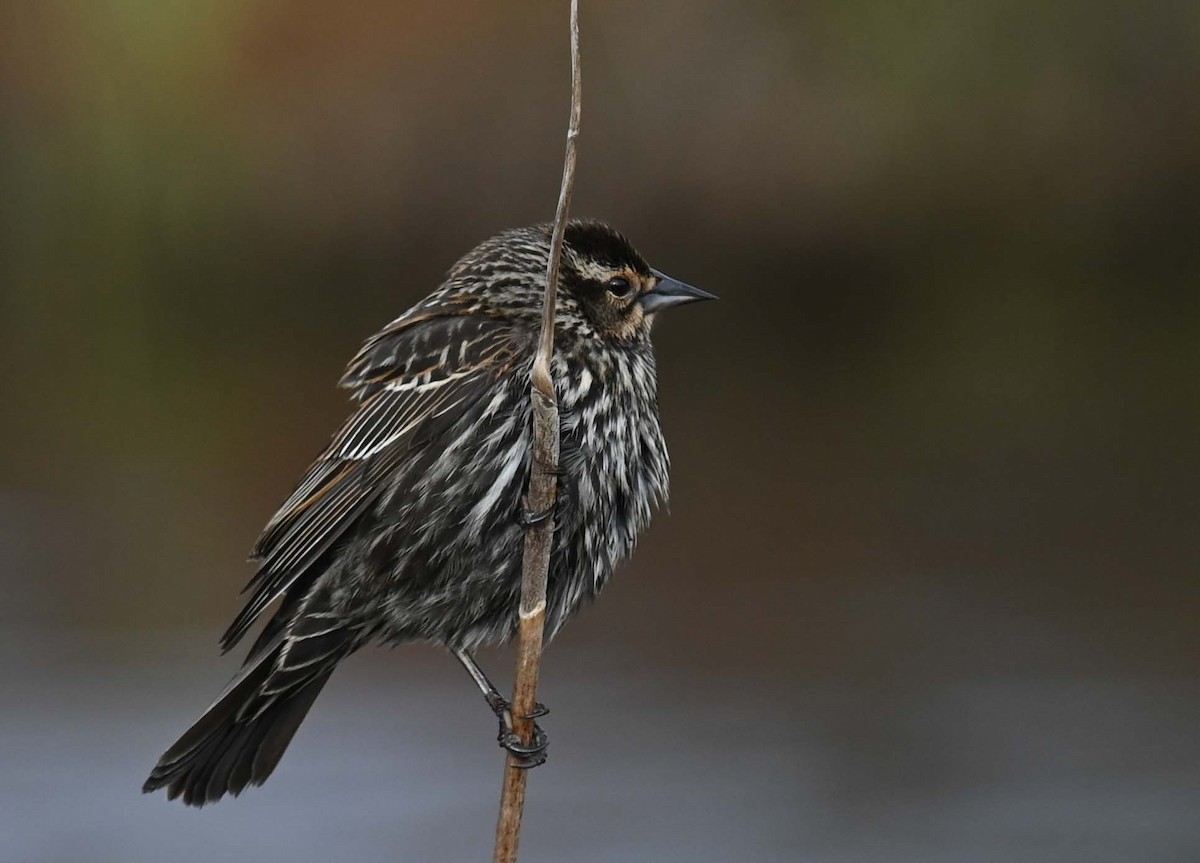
634,321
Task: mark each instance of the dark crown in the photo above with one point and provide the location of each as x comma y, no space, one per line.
603,244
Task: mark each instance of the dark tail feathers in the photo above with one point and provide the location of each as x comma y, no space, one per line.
240,739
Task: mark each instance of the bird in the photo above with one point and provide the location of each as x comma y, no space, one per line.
409,526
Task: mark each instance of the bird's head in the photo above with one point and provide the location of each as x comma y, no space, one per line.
615,290
606,287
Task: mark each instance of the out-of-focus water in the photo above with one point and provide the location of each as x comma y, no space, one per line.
397,762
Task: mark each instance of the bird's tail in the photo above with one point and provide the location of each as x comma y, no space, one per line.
241,737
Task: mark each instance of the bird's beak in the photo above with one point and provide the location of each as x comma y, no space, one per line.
671,292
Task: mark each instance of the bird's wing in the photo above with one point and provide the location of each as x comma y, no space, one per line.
413,380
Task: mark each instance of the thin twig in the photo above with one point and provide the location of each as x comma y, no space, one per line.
543,489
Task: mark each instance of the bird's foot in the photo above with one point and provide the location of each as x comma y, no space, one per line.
528,519
525,755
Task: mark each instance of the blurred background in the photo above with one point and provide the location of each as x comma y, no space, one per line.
928,586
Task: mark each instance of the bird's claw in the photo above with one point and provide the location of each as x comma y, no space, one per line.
525,756
502,707
528,519
539,710
562,500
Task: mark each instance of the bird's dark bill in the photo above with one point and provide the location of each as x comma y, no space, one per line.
671,292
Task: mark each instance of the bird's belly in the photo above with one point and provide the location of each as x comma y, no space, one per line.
428,571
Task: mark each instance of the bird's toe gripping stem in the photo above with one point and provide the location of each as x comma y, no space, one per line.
525,755
528,518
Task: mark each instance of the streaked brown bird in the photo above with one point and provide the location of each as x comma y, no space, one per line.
409,526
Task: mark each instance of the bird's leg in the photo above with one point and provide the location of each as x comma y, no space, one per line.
526,756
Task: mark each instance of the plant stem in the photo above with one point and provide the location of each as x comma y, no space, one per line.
543,489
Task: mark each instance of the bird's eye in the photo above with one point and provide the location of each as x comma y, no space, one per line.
618,286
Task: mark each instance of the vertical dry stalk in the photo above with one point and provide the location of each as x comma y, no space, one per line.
543,488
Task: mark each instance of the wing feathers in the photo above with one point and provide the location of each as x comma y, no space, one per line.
413,379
